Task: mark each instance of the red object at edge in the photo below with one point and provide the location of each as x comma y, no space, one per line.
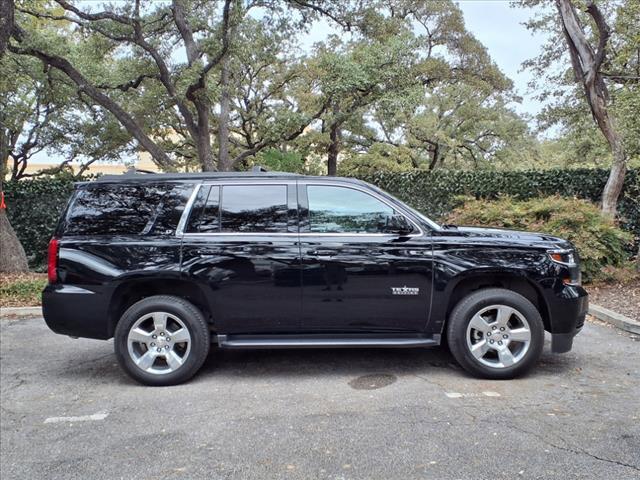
2,204
52,261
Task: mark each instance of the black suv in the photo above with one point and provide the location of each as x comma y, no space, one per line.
170,263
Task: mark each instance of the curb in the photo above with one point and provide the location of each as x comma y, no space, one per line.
615,319
20,312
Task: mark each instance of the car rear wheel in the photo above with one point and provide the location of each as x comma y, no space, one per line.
495,333
162,340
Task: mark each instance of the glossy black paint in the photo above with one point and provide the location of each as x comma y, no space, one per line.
348,279
295,281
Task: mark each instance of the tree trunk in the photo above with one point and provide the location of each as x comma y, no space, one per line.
6,23
586,62
13,259
335,135
12,256
223,126
205,153
435,158
615,182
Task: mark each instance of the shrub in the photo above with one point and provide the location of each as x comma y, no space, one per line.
626,274
598,239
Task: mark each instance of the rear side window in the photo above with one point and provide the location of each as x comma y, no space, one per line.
240,209
110,209
205,212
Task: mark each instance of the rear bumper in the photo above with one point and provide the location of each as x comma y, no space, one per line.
568,308
75,311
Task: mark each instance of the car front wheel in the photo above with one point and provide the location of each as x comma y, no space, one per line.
495,333
162,340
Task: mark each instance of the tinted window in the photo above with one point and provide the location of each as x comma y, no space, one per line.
345,210
169,210
254,208
108,209
205,213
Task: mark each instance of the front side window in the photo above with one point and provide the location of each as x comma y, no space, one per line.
334,209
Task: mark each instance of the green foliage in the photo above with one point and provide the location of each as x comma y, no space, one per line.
380,157
434,192
287,161
626,274
598,239
34,207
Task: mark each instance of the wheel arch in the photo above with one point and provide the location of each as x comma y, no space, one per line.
132,290
516,281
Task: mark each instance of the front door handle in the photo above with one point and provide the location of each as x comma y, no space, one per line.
321,253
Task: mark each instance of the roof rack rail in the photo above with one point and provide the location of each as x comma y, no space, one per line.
258,168
133,170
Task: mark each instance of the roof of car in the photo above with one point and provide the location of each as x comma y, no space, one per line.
163,177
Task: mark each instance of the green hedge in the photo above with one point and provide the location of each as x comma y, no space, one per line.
35,205
434,192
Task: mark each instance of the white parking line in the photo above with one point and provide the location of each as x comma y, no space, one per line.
82,418
468,395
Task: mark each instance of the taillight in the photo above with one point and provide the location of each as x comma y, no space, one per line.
52,263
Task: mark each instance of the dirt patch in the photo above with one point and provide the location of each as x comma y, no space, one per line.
21,289
373,381
621,298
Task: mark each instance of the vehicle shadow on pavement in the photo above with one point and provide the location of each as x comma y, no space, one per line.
353,362
101,365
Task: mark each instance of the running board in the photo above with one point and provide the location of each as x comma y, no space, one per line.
326,341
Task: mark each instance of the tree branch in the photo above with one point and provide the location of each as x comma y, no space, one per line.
135,83
604,33
180,19
84,86
199,84
106,15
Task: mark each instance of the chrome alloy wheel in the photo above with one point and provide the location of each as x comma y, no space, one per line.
498,336
159,343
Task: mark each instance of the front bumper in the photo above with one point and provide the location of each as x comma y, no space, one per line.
563,342
568,306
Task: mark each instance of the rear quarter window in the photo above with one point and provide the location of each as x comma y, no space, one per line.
109,209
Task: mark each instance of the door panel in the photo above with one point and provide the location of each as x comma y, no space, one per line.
253,284
348,284
356,277
241,246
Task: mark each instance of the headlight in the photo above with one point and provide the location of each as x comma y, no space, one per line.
565,257
568,259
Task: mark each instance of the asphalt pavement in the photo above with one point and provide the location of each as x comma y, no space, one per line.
68,412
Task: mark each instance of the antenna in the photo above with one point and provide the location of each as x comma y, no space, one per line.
258,168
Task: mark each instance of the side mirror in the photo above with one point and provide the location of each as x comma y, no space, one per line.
398,224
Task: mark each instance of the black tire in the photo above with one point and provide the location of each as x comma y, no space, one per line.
188,314
462,315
